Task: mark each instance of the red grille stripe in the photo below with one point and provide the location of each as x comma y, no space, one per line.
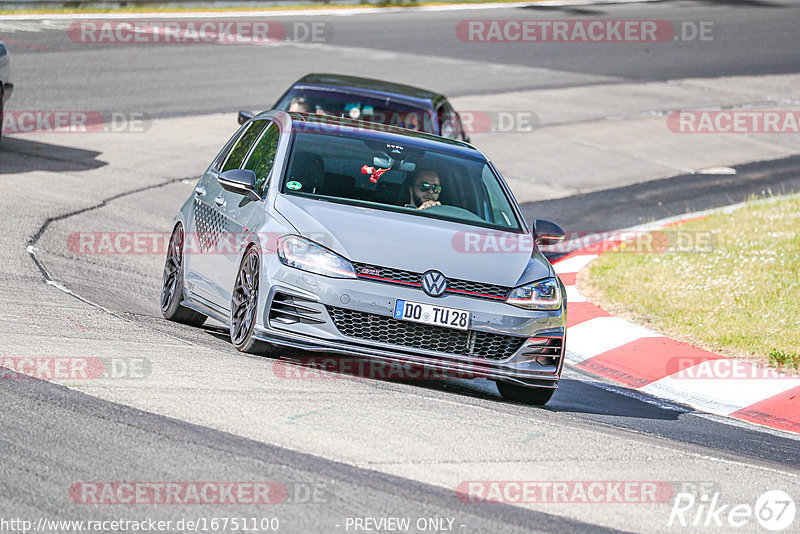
389,280
477,294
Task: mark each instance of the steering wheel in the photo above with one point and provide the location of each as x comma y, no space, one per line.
453,211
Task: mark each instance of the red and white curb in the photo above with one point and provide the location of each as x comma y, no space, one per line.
647,361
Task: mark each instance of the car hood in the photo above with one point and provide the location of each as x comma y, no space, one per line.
415,243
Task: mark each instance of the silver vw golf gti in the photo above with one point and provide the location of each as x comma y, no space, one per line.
338,236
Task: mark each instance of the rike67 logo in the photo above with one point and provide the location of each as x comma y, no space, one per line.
774,510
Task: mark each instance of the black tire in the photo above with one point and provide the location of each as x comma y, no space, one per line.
172,284
244,307
524,394
1,113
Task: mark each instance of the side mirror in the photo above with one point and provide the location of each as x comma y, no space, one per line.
239,181
245,116
547,233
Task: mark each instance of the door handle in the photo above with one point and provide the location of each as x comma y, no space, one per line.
219,201
200,190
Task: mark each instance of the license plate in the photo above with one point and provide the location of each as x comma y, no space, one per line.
428,314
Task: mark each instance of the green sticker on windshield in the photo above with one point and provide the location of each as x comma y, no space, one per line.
294,186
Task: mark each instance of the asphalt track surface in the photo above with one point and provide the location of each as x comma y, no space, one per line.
53,436
751,37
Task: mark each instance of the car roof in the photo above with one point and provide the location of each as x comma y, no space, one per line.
355,83
328,123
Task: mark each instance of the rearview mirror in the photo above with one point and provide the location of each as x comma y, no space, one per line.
245,116
547,233
382,162
240,181
386,162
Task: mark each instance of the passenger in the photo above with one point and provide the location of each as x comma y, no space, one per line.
413,122
300,104
422,189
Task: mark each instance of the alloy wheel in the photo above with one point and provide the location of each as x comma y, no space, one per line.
245,299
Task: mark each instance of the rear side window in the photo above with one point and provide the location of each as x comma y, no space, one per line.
448,122
220,159
243,145
262,158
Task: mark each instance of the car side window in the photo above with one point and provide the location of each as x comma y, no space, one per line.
243,145
448,122
220,159
501,211
262,158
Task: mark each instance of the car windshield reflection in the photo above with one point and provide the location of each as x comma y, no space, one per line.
379,110
398,176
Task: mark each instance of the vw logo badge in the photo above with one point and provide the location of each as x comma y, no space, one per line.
434,283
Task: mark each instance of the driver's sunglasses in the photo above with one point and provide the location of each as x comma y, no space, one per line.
424,186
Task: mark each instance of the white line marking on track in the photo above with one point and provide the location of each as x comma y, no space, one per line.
640,157
715,171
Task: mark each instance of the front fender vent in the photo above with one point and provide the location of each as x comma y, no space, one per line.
545,350
291,309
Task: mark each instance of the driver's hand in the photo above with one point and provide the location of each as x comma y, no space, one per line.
429,203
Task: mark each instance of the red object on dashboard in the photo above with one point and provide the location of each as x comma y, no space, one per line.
374,173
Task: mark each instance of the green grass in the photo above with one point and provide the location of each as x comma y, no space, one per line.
784,359
738,295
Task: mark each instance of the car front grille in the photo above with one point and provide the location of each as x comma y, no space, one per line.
385,329
387,275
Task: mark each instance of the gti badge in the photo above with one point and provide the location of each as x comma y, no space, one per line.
434,283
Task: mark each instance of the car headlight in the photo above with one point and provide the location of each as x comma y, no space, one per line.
542,295
301,253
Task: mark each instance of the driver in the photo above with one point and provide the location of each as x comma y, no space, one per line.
423,189
302,104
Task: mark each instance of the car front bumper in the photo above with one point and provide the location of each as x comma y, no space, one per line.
301,309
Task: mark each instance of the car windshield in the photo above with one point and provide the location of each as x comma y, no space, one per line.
399,175
338,104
